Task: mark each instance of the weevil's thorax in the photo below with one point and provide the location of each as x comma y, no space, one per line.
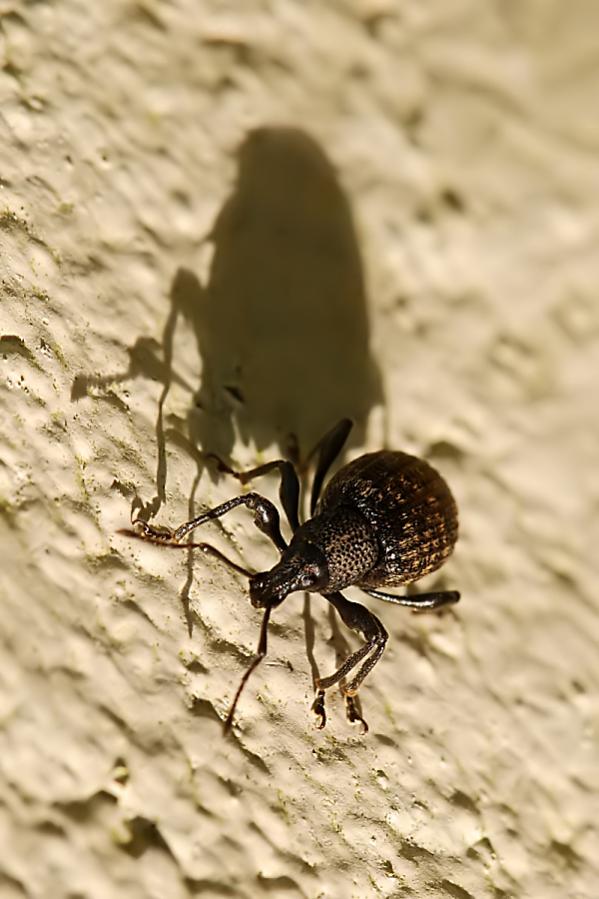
347,542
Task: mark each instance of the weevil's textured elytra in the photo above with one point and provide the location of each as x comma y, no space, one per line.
385,519
407,505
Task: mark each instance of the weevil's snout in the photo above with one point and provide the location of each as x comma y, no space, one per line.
264,591
302,567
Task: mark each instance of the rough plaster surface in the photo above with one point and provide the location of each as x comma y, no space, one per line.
173,280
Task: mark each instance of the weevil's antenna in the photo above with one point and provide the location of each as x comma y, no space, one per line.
206,548
260,653
165,538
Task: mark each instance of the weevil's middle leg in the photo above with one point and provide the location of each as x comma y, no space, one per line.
357,618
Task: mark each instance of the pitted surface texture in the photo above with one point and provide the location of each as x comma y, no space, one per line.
222,223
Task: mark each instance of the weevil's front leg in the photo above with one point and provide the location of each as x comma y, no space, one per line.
353,711
357,618
266,519
353,706
288,492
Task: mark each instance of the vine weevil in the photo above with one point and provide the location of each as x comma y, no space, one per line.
384,520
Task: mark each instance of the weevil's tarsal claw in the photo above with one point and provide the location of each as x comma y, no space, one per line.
151,532
318,709
353,712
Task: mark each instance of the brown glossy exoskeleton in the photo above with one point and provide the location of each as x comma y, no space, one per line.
384,520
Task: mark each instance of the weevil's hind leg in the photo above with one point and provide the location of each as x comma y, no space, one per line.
288,491
328,448
422,602
357,618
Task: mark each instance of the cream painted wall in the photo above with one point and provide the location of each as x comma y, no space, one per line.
424,184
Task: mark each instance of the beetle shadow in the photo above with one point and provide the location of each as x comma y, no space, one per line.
281,325
283,328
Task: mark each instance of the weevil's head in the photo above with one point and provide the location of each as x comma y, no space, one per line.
302,566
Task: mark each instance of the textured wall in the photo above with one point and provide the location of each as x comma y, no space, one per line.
410,237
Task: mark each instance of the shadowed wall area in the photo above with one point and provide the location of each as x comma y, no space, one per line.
282,325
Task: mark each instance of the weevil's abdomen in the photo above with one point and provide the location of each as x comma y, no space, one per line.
410,508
